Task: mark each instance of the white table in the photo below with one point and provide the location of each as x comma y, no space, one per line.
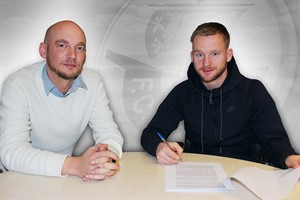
140,178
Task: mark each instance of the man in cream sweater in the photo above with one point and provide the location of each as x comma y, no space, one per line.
46,107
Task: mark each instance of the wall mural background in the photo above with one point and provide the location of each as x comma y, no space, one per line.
141,48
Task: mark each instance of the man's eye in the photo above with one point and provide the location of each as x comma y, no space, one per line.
199,55
62,45
81,48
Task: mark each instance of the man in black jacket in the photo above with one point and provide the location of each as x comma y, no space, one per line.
224,113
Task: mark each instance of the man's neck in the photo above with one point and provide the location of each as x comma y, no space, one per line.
63,85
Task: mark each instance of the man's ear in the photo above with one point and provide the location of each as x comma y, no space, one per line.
229,54
43,50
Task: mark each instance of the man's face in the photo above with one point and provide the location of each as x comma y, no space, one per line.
65,51
210,56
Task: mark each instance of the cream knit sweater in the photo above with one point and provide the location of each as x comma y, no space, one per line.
39,131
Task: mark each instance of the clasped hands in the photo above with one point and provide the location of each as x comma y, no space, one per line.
96,163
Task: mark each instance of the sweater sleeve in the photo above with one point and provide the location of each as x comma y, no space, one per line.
165,120
103,126
269,128
17,153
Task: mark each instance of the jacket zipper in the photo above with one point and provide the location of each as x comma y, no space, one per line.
214,104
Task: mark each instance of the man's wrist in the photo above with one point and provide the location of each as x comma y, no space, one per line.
68,166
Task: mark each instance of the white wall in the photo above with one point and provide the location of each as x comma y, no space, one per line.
141,48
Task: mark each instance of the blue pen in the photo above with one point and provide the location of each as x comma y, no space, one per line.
165,141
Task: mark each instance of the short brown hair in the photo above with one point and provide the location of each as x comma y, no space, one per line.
212,28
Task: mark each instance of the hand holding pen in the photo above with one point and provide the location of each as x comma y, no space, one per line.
168,152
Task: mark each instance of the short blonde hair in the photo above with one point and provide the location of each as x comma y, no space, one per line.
212,28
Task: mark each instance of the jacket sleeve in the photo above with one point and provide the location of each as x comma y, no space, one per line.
165,120
104,128
269,128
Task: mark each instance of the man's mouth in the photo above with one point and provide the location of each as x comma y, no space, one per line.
70,65
207,71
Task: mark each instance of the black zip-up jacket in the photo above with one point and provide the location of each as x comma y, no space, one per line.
228,121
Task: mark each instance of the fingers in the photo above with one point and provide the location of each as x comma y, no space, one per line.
103,175
103,171
103,156
104,168
106,165
103,164
101,147
178,149
293,161
165,155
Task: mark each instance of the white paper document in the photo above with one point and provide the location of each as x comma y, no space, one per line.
204,177
195,176
268,184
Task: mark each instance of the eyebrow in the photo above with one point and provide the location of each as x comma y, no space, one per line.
214,50
67,42
61,41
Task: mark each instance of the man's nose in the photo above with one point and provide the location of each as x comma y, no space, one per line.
206,61
72,53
